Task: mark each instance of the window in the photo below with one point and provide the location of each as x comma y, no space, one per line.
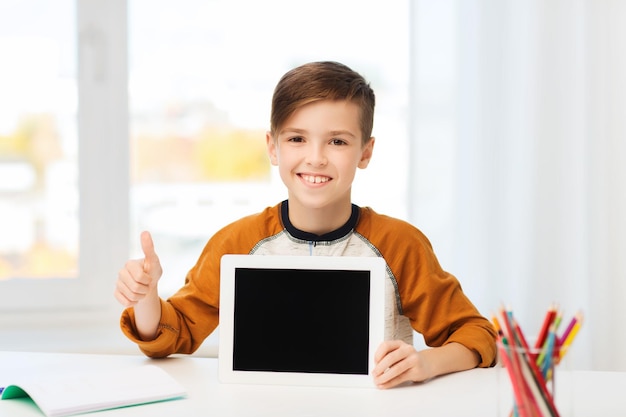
39,238
154,115
63,137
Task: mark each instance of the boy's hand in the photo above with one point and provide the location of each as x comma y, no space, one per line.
139,277
398,362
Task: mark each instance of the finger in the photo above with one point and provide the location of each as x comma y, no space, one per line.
147,245
391,371
395,362
151,260
133,273
396,374
120,294
383,349
391,381
384,366
132,288
383,357
121,298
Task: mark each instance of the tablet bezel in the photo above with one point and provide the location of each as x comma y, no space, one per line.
229,263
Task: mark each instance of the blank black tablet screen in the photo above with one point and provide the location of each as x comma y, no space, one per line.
301,320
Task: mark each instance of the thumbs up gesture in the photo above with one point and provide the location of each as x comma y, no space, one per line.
139,277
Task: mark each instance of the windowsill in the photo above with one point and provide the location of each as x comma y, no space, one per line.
74,332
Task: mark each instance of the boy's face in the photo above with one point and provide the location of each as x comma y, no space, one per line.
317,151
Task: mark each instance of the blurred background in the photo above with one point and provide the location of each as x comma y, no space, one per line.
500,126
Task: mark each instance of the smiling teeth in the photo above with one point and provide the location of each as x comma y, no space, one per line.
315,180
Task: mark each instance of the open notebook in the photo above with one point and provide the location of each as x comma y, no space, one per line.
80,392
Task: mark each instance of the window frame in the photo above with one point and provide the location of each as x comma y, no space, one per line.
103,166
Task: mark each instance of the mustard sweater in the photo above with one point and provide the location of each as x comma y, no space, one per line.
420,295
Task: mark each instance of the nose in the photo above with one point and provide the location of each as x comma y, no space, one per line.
316,156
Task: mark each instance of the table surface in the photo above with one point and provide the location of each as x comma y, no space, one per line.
478,392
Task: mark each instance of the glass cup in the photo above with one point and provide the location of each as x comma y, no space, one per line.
527,381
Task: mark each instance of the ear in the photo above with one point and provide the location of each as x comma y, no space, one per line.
366,154
272,150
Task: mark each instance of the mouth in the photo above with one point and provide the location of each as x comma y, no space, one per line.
314,179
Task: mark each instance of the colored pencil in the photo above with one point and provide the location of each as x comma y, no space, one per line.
545,326
541,399
529,370
537,377
496,324
515,367
567,330
569,339
533,401
546,357
520,403
558,319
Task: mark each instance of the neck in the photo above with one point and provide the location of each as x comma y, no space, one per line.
321,220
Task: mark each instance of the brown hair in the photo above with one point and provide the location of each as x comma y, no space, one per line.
318,81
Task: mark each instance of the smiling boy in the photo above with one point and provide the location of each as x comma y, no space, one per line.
321,124
317,151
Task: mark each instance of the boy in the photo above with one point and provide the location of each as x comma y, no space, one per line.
321,124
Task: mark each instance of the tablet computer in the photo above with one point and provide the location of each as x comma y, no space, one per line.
300,320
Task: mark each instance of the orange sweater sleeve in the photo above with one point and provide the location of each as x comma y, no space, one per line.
192,313
430,297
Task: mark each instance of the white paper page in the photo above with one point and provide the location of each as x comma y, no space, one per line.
61,395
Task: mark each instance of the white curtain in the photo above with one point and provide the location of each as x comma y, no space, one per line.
519,159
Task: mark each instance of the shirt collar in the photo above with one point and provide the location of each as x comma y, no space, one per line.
312,237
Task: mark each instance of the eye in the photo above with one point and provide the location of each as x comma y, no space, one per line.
296,139
338,142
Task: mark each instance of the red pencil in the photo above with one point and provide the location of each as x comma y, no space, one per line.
547,321
515,367
515,377
538,378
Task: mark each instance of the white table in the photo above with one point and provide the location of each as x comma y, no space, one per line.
479,392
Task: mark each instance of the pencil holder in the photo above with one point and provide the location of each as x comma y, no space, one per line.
531,367
532,375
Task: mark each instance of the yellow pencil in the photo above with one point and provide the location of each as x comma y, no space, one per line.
570,337
496,324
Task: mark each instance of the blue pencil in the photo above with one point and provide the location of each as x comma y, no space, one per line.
548,359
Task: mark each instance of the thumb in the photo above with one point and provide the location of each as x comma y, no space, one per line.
151,260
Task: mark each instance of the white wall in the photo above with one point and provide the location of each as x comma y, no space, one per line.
519,142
